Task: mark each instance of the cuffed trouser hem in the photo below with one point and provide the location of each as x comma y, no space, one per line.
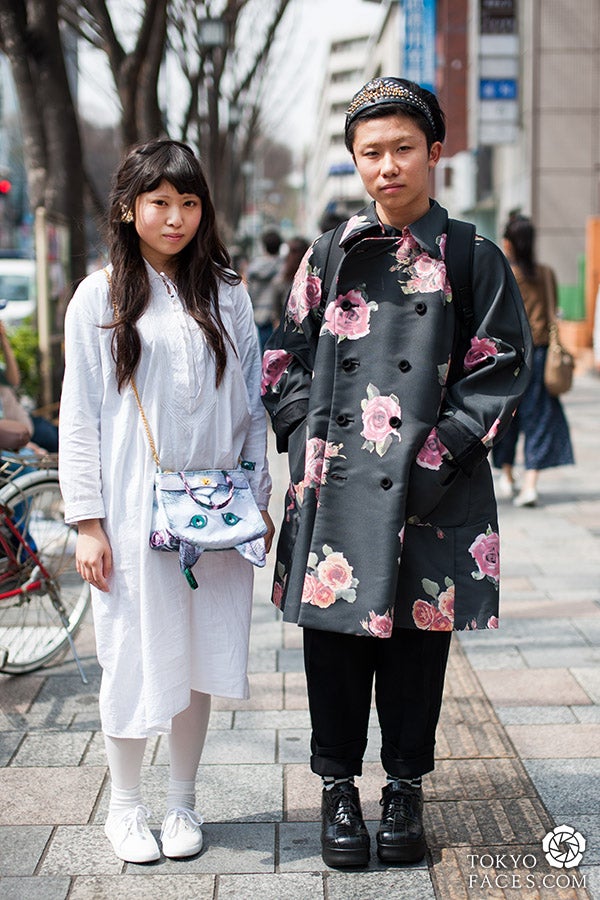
336,768
408,768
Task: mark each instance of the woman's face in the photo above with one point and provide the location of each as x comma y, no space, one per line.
166,221
394,163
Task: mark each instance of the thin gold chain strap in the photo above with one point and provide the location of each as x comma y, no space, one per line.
135,392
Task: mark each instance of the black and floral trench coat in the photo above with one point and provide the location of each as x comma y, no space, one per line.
390,516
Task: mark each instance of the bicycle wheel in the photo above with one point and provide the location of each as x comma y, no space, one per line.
31,624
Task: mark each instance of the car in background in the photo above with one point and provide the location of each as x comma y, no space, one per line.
17,290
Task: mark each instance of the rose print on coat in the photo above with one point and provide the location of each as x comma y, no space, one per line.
438,614
274,364
480,350
488,439
317,461
328,580
379,626
381,417
485,550
305,293
353,223
431,455
348,316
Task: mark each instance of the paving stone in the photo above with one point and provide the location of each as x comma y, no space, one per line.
9,741
537,715
568,787
262,661
589,679
407,883
592,876
53,749
295,696
518,607
566,657
18,693
589,827
533,687
587,713
228,848
485,822
63,698
52,888
39,796
80,850
152,887
266,692
292,636
221,747
494,658
463,741
308,886
293,745
478,779
290,660
551,741
21,848
272,718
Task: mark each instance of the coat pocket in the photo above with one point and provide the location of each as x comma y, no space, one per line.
438,496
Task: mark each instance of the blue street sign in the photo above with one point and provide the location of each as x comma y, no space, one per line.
419,42
498,89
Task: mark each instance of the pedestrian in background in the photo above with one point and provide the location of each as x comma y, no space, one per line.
172,313
296,248
540,418
42,433
261,274
390,537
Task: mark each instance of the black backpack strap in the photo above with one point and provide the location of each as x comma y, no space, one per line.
460,245
334,257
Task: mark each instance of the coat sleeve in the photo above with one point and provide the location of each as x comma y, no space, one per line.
289,356
255,444
479,405
81,400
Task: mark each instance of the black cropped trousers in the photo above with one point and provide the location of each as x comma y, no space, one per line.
408,670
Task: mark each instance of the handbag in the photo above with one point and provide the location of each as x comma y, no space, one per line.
205,509
559,365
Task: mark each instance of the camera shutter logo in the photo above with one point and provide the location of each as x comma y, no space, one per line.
563,847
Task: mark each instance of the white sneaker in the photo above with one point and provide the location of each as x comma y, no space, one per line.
506,488
180,833
527,497
130,836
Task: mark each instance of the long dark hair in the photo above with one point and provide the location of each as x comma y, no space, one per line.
520,233
200,265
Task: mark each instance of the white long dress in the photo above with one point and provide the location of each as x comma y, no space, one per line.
156,638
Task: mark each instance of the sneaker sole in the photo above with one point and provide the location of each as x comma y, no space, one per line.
404,853
338,858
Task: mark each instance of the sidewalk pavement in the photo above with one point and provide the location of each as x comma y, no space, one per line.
518,746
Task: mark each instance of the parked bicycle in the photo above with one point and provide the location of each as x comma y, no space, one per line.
43,599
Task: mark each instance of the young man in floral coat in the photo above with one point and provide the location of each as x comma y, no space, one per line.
388,411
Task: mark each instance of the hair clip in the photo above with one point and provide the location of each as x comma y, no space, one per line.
126,215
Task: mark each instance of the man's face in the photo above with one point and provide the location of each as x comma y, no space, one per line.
392,159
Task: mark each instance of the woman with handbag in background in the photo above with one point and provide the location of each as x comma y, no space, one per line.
539,416
162,362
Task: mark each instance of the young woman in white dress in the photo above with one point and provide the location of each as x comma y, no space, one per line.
170,313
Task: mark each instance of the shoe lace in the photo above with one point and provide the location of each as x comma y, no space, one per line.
136,821
399,805
189,817
346,809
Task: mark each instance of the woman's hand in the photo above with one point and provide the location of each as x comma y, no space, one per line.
93,554
270,529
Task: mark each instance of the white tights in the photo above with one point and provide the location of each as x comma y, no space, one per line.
186,741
